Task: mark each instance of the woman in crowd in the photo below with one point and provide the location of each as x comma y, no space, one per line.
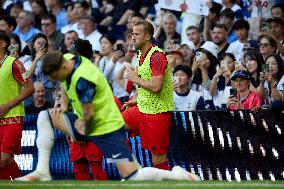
203,69
168,30
111,62
39,9
272,80
39,47
220,83
253,63
267,45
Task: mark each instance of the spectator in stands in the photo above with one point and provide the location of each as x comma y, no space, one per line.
39,100
48,27
56,8
227,18
168,30
175,58
93,124
106,64
193,34
219,36
8,24
204,68
79,10
276,29
277,10
220,83
187,50
88,26
267,45
272,80
184,98
150,112
253,62
230,4
39,48
15,49
15,87
132,20
39,9
16,9
25,29
245,98
208,22
241,27
69,39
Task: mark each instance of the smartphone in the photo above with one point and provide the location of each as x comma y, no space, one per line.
264,68
119,47
43,45
224,64
176,41
198,55
233,92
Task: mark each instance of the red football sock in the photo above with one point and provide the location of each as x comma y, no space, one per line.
98,171
164,165
10,171
81,170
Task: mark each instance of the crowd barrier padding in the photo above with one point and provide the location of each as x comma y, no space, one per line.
217,145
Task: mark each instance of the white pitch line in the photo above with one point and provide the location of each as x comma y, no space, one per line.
152,185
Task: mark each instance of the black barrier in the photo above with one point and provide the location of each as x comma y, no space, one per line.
217,145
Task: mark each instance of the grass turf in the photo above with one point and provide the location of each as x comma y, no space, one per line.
71,184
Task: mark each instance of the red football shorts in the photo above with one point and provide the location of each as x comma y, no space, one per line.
87,150
10,138
153,129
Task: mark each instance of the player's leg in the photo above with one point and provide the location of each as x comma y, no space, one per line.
94,155
45,123
116,150
155,137
10,144
81,170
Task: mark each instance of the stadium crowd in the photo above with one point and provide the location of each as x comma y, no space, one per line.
233,58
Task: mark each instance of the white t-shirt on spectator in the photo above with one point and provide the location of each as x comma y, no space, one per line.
186,103
236,48
71,26
280,87
94,39
221,97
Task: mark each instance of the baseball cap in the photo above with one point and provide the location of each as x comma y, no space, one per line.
190,44
241,74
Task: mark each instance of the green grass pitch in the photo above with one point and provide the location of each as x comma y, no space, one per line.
71,184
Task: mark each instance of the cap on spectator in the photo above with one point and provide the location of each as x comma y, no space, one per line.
190,44
241,74
251,44
275,19
211,47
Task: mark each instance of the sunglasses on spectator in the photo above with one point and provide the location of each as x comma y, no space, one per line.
263,44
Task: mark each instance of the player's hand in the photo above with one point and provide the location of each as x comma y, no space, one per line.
4,108
129,104
80,126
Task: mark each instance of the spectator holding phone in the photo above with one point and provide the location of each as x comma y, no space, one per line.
272,80
184,98
220,83
241,97
253,62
